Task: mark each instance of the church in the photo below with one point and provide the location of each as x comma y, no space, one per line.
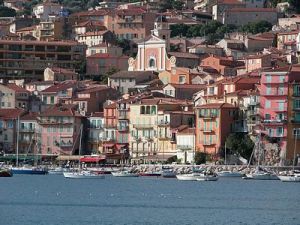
152,52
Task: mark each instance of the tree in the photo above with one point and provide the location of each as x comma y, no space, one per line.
240,144
256,27
104,77
200,158
7,12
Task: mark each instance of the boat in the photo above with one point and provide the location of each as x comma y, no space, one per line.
187,177
150,174
6,173
83,174
168,173
124,173
29,170
207,178
290,177
227,173
57,171
262,175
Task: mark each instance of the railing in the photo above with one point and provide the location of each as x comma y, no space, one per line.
29,130
163,123
208,116
54,122
123,128
123,116
274,121
275,92
209,143
184,147
143,126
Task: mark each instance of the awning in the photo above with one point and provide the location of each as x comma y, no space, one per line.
68,157
120,146
91,159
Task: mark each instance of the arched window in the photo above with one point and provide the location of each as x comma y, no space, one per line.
142,109
151,63
148,109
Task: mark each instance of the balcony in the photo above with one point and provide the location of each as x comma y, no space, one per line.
295,120
164,137
184,147
207,130
208,143
123,128
123,116
53,122
96,127
64,144
27,130
208,116
296,94
274,122
252,102
143,126
163,123
275,93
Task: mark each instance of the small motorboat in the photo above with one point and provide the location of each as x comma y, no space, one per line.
150,174
261,175
57,171
6,173
187,177
83,175
124,173
207,178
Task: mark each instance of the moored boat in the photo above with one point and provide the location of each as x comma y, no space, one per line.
207,178
150,174
29,170
6,173
83,175
168,173
124,173
292,176
227,173
186,177
262,175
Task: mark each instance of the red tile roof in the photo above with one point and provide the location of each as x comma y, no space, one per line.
16,88
61,110
29,116
10,113
61,86
216,106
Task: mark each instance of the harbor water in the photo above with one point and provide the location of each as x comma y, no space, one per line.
53,199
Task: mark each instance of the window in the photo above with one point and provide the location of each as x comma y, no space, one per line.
153,110
281,106
297,90
148,109
52,100
151,63
182,80
281,79
279,131
267,116
268,78
267,104
142,109
10,124
268,89
297,104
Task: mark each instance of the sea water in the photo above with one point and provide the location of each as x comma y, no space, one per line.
53,199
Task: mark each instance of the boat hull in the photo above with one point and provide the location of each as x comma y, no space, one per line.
169,174
121,174
207,178
229,174
186,177
150,174
83,175
6,173
28,171
289,178
262,176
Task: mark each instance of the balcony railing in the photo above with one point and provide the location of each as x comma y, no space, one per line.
143,126
274,121
184,147
123,128
208,116
27,130
123,116
163,123
275,92
208,143
207,130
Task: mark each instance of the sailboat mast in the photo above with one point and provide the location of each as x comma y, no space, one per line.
17,150
80,142
225,154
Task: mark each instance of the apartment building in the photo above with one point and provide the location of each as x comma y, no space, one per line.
13,96
27,60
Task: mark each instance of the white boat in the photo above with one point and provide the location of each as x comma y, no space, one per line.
187,177
124,173
83,175
207,178
261,175
227,173
292,176
57,171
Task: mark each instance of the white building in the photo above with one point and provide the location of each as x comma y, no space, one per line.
185,140
46,9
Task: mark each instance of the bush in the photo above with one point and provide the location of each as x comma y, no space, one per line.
200,158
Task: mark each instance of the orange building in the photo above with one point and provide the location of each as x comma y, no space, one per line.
214,122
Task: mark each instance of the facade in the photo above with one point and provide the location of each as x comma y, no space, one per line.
185,144
123,81
59,74
9,119
96,132
47,8
274,106
105,48
27,59
214,122
28,132
50,30
13,96
59,130
110,130
220,8
182,91
284,38
100,63
234,15
95,37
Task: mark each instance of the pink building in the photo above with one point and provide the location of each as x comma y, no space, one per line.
274,105
59,130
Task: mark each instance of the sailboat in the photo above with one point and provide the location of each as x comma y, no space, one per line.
259,173
228,173
82,174
24,169
294,175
